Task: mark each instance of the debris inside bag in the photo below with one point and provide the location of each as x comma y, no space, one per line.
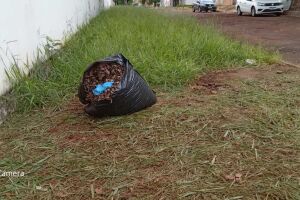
102,81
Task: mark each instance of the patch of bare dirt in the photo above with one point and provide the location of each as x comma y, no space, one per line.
74,105
213,82
63,126
71,126
86,139
210,83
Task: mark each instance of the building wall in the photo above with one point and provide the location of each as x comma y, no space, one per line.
188,2
166,3
225,2
25,25
287,3
218,2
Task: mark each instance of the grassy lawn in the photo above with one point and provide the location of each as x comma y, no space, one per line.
229,134
168,50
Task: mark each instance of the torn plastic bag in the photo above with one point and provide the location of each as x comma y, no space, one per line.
133,93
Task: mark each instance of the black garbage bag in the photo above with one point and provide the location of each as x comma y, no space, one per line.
132,93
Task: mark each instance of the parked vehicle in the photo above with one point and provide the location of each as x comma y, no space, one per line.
286,4
204,5
259,7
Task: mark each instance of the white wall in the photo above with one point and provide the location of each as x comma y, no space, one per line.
166,3
24,25
188,2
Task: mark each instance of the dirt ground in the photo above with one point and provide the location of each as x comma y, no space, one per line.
275,33
230,132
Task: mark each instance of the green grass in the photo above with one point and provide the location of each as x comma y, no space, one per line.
167,49
181,148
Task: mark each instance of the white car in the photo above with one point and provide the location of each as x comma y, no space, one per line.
259,7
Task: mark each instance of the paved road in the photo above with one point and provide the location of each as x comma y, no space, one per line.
275,33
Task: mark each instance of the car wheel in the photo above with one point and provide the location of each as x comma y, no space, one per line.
253,12
199,9
278,14
194,9
239,12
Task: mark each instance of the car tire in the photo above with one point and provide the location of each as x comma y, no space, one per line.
253,12
194,9
199,10
278,14
238,11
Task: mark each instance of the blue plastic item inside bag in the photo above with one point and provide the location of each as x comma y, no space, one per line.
100,88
